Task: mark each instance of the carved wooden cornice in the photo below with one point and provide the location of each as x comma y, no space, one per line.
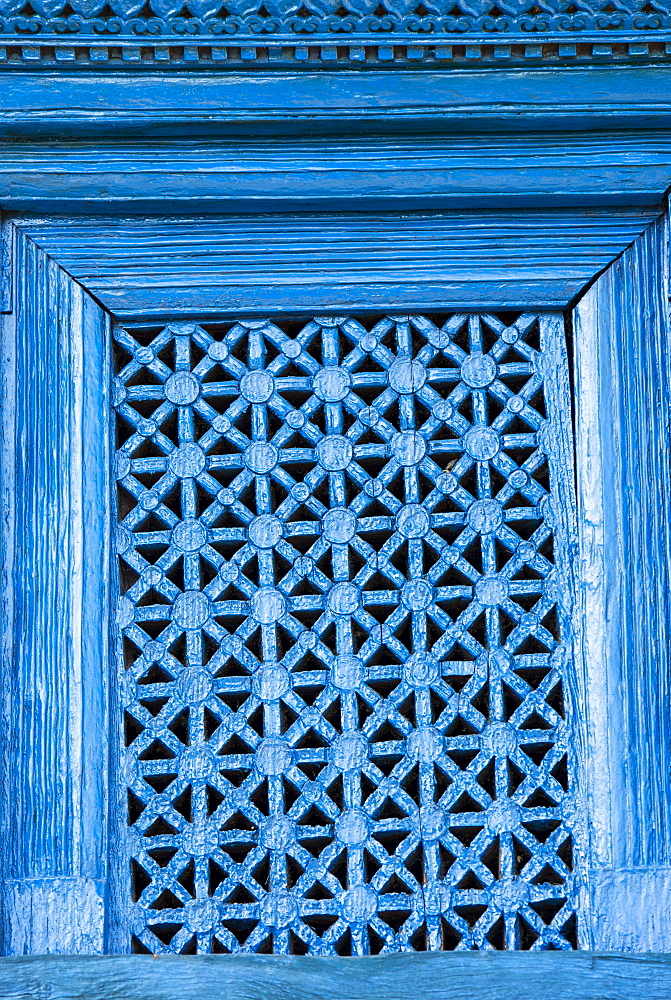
323,34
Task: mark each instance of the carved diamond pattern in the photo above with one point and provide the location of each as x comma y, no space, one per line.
343,640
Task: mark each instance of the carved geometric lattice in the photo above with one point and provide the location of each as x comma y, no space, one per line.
344,637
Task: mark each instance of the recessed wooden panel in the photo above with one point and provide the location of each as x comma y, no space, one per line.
379,262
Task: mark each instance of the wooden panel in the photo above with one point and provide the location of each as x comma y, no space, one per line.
157,267
55,541
300,172
507,97
624,485
446,976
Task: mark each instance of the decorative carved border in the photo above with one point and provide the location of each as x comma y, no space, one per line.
465,34
46,52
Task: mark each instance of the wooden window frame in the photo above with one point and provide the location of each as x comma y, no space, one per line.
566,161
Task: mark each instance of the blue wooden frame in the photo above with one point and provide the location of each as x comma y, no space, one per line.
515,140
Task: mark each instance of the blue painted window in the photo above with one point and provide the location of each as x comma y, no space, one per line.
345,650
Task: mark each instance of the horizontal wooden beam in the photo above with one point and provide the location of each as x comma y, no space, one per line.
435,976
509,99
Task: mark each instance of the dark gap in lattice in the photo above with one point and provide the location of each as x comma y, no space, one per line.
565,853
542,476
466,834
132,728
125,502
535,721
446,858
239,850
394,918
560,772
542,829
173,501
150,598
165,932
550,623
526,935
414,863
460,727
167,900
124,431
320,923
458,681
162,855
491,858
216,876
160,828
235,745
241,928
138,948
157,750
480,701
213,799
515,777
211,723
235,776
140,880
537,751
240,896
547,909
120,357
259,797
183,804
147,449
156,675
487,778
496,935
521,856
548,876
462,758
266,946
315,845
159,782
218,948
531,645
533,676
470,881
540,800
376,943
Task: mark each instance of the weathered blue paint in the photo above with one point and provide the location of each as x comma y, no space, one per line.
55,543
207,142
453,976
387,168
623,404
141,268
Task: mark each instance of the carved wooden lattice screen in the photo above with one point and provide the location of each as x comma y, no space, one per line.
345,646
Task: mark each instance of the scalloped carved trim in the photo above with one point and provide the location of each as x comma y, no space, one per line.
329,32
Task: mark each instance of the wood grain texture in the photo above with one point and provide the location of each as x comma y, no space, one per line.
53,779
438,976
622,409
270,264
379,171
519,98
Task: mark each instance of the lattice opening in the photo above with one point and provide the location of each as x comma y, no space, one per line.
343,640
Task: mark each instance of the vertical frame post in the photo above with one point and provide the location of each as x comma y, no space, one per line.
55,519
623,440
